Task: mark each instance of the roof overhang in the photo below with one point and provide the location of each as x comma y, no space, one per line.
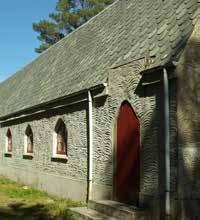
71,99
154,75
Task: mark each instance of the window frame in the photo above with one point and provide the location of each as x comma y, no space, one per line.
9,150
56,153
27,135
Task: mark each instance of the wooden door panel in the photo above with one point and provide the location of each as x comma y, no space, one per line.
126,179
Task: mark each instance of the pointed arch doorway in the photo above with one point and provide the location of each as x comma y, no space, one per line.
127,156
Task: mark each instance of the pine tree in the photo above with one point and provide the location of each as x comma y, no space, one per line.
68,15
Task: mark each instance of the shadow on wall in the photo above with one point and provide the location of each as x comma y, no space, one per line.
184,139
189,130
153,145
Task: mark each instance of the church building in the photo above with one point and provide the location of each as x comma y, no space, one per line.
112,111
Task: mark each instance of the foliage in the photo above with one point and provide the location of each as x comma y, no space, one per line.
18,202
68,15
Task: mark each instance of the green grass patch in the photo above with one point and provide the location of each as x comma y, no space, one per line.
20,202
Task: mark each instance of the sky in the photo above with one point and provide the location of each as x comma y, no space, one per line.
17,38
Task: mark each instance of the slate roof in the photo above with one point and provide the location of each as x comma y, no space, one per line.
127,29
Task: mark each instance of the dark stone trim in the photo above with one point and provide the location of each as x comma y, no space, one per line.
8,154
27,157
60,160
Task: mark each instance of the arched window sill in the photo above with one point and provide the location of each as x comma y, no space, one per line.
59,158
28,156
8,154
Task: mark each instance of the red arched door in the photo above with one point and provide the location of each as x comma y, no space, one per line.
127,161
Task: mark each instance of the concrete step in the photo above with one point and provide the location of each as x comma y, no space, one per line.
84,213
119,210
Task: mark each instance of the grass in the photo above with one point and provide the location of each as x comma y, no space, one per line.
19,202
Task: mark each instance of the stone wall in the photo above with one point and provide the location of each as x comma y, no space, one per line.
43,125
125,83
188,72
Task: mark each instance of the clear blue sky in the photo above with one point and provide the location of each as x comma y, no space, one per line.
17,39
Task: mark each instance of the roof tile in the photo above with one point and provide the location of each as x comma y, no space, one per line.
126,29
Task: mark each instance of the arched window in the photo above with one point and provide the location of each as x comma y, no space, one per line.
9,141
61,138
28,140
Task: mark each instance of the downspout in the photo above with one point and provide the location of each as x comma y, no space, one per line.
167,143
90,151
